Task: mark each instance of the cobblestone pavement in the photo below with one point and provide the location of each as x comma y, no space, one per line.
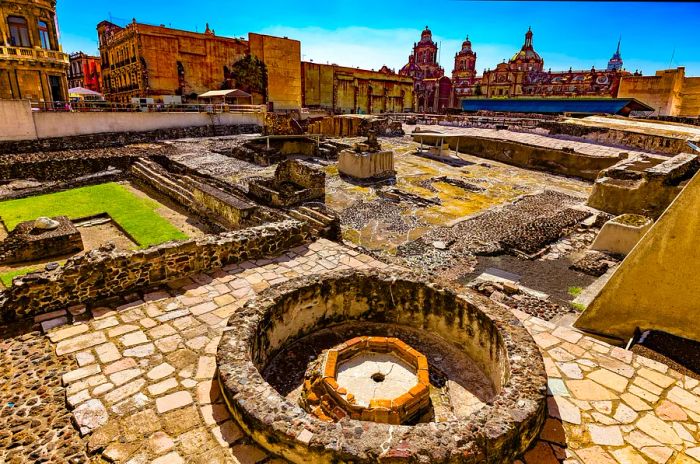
537,140
144,378
35,425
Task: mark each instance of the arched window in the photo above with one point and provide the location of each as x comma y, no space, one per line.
19,31
44,35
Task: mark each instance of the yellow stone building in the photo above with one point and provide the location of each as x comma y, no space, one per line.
146,61
341,89
32,64
669,92
282,58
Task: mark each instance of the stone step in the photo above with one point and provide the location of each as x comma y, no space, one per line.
314,223
152,170
316,214
161,183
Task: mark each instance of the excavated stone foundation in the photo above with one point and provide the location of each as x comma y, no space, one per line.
286,322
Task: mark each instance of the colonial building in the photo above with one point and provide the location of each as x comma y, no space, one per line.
146,61
85,71
432,88
524,75
670,92
32,65
339,89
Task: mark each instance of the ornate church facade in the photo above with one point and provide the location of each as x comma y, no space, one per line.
524,75
431,88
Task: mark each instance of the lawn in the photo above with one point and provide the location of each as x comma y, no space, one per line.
136,216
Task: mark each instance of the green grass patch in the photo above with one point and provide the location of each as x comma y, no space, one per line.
137,216
575,291
6,277
578,307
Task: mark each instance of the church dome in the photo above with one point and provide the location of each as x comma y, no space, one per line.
527,52
426,35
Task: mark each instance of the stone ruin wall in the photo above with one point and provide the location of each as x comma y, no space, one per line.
564,162
59,169
485,333
104,273
646,142
117,139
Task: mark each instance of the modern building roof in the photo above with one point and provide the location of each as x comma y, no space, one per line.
621,106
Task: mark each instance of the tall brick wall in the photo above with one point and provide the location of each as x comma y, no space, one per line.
283,60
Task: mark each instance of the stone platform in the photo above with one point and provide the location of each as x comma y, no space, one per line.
143,380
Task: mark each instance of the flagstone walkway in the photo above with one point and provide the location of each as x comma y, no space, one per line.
142,389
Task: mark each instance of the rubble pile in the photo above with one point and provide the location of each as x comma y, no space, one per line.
595,263
361,213
530,237
513,297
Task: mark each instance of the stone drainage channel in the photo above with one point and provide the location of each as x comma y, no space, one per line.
296,365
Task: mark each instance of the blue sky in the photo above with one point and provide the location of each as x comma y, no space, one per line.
373,33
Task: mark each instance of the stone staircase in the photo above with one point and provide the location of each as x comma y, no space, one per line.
322,222
152,175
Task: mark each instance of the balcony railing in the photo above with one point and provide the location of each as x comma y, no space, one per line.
22,53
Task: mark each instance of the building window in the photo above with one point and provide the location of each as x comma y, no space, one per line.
19,32
44,35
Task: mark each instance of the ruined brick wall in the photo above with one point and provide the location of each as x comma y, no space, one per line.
282,57
60,169
117,139
646,142
104,273
24,243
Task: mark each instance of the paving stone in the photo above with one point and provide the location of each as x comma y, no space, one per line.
50,315
84,358
608,435
571,370
624,414
80,373
589,390
561,408
206,367
595,455
131,405
107,353
635,402
658,454
667,410
685,399
124,391
207,392
122,364
46,326
141,351
660,430
659,379
160,371
80,342
196,441
122,377
628,455
169,344
173,401
609,379
162,387
133,338
159,443
120,452
140,425
170,458
227,433
68,332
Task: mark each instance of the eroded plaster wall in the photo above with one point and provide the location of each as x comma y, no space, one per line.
655,287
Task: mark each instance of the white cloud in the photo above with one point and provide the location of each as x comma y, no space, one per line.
369,48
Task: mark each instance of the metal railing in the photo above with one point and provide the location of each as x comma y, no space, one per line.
110,107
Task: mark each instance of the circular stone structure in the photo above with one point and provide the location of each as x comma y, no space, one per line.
378,379
489,336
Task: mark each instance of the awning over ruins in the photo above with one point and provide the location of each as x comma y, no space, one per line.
620,106
227,95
